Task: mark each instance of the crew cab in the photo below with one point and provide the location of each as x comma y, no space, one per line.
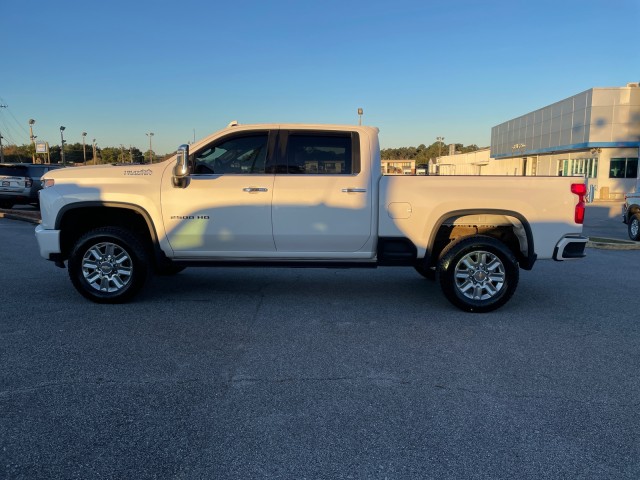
631,215
303,196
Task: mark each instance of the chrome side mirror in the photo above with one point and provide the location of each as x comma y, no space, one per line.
181,169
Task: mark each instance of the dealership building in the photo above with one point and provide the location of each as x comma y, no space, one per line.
595,134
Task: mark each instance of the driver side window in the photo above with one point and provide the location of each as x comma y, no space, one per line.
237,155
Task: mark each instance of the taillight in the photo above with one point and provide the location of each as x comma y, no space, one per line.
579,189
28,182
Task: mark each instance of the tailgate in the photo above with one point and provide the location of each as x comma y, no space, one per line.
12,184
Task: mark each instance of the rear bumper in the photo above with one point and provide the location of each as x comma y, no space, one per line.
48,242
570,248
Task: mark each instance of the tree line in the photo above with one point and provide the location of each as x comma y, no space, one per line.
422,154
74,154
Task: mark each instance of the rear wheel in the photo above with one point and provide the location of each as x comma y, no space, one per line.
108,265
634,227
478,274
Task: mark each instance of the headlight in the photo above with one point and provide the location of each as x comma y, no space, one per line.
48,182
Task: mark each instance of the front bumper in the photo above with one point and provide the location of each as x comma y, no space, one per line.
570,248
48,242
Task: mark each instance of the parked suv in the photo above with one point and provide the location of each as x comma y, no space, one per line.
20,182
631,214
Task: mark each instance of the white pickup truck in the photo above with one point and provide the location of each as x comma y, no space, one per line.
303,196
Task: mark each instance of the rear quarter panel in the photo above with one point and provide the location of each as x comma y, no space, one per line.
425,202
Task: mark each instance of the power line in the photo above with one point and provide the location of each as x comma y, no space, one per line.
25,133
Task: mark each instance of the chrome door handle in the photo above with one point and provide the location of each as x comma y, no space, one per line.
254,189
354,190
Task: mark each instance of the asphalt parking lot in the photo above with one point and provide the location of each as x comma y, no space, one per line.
246,373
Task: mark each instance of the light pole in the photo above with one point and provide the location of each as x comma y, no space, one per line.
360,112
33,139
84,149
440,142
1,137
150,134
62,147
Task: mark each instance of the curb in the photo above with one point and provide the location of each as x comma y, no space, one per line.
612,244
23,218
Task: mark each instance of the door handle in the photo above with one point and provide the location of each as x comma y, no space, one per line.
254,189
354,190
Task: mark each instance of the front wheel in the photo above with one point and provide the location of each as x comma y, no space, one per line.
108,265
478,274
634,227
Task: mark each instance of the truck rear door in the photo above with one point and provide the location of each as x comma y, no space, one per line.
322,197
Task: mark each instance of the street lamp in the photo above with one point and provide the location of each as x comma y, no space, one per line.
62,147
84,150
360,112
440,142
1,137
33,139
150,134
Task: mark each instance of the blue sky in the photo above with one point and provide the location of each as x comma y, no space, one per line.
419,69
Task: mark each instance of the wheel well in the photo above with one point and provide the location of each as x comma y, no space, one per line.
508,230
632,210
79,221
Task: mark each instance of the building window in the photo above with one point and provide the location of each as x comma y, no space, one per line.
623,168
580,166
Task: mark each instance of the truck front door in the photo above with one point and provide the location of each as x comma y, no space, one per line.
225,210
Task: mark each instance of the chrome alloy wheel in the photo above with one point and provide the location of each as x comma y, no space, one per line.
107,267
480,275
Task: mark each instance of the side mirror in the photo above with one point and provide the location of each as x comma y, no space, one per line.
181,169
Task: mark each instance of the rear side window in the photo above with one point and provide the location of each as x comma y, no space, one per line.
323,154
6,171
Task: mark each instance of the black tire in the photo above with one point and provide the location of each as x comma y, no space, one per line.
478,274
108,265
6,204
634,227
